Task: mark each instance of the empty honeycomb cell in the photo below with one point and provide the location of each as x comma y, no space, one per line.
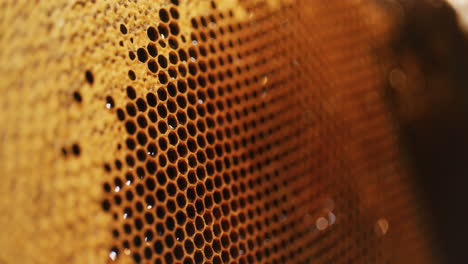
110,102
77,97
142,55
89,77
182,70
174,28
152,49
182,55
152,33
142,122
123,29
173,43
131,75
152,66
141,104
76,149
163,31
172,72
162,61
164,15
162,77
174,13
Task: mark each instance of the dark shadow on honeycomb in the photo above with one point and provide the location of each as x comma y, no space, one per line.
433,117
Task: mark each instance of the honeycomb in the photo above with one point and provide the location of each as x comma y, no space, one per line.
194,131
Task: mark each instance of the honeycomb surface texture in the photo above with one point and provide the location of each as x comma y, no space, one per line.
193,131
